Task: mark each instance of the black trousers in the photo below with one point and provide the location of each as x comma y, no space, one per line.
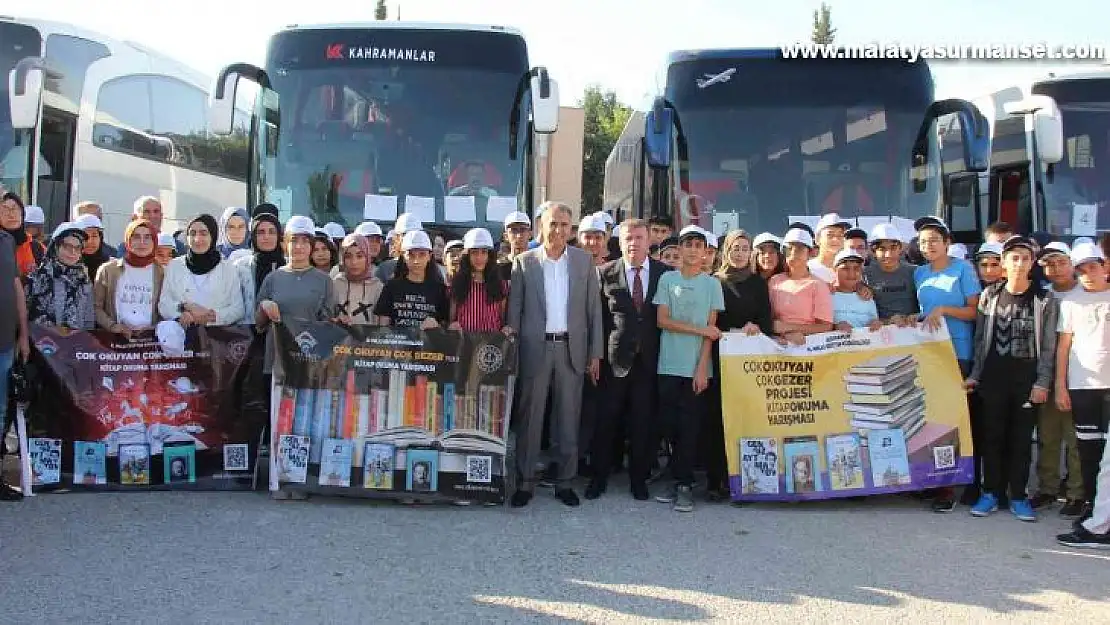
1006,433
681,412
712,435
1090,413
626,406
975,414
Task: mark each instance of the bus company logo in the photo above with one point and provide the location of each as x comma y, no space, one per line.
306,342
46,347
414,55
489,358
715,79
335,51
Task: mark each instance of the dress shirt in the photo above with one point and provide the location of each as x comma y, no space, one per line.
556,286
645,276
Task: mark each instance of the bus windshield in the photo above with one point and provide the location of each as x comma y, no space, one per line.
769,139
17,41
1081,181
421,115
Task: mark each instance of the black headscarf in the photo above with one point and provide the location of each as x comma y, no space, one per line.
20,233
265,262
201,264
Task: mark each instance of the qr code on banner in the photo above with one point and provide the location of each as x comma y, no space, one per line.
235,457
479,469
944,457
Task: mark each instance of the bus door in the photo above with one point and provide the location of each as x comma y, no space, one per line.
54,166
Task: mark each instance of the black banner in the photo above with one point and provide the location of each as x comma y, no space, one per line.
112,414
389,412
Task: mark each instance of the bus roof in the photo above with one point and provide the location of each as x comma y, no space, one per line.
398,25
679,56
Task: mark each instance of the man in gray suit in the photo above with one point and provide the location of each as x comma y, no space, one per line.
555,310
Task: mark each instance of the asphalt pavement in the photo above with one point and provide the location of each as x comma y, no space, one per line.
165,557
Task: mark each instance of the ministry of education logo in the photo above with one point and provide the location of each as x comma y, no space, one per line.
306,342
46,347
489,358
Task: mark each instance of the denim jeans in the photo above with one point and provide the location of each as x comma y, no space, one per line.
6,358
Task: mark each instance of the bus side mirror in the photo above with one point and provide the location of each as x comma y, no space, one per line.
221,104
975,134
25,83
659,134
545,102
1041,112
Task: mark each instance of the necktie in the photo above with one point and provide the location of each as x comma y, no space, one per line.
637,288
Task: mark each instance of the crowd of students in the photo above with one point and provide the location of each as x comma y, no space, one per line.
1029,320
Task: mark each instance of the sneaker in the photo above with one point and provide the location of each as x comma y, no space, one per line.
668,495
1042,500
987,504
1083,539
9,493
944,504
1022,509
684,499
1072,509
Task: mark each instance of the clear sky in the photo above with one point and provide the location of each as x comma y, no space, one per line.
615,43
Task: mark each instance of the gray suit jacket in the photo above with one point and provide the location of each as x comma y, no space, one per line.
528,310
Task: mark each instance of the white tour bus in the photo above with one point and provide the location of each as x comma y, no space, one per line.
110,121
1056,132
383,117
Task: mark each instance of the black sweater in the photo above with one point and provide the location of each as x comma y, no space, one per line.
749,302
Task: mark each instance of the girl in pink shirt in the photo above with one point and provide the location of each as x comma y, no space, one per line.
800,303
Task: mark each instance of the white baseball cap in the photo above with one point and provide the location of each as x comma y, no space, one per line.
517,217
766,237
616,231
87,221
368,229
845,255
990,247
34,215
300,224
1085,253
829,220
477,238
885,232
408,222
1054,248
334,230
692,231
711,238
69,227
957,250
592,223
165,239
416,240
797,235
606,218
1081,240
452,244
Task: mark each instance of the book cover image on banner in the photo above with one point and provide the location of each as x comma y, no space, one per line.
388,412
846,414
113,414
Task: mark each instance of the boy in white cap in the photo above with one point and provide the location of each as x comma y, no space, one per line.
830,240
1083,377
166,249
34,224
849,309
891,277
518,232
406,222
593,238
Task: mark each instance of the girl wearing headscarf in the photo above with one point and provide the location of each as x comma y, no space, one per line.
95,252
747,310
28,252
199,288
265,241
59,292
233,231
356,289
126,290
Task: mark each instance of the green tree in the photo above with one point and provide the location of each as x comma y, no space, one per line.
381,11
605,119
823,31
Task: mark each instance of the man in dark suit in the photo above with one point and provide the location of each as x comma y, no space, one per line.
628,287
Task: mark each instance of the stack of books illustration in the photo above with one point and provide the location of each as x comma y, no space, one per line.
884,395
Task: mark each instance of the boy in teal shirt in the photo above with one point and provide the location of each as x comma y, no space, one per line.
687,301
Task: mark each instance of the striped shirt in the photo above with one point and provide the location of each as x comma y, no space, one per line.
477,314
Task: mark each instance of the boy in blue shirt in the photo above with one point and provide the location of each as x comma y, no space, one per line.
948,292
849,309
687,302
